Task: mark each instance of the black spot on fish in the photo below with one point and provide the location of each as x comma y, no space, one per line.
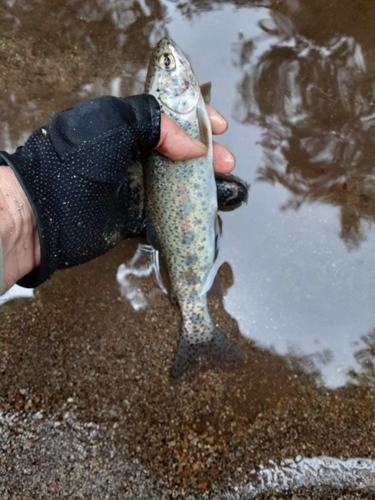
191,280
187,238
190,260
193,299
196,318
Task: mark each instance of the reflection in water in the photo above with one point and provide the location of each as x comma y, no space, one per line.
16,292
190,8
145,262
64,67
315,104
313,363
122,12
365,357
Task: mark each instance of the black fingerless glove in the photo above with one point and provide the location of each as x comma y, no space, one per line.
81,176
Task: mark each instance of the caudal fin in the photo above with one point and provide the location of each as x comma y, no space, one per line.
218,351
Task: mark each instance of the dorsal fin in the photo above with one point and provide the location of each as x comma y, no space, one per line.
204,124
206,92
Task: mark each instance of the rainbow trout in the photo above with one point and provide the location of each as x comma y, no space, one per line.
181,210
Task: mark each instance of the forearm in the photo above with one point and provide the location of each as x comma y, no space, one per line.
19,235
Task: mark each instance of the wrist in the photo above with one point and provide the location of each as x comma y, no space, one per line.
18,229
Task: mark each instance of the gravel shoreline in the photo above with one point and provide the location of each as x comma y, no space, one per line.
48,458
88,409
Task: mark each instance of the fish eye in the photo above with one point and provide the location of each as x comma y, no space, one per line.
167,61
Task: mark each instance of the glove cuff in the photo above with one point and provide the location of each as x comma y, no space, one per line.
43,272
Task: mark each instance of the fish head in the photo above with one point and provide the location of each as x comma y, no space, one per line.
171,80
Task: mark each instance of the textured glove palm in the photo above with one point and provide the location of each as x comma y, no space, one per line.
81,177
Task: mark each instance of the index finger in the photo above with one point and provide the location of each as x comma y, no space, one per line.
218,123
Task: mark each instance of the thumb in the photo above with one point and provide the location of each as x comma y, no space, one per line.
175,144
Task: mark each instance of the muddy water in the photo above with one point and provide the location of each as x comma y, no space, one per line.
296,81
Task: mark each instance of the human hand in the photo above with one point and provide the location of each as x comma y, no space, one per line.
82,180
177,145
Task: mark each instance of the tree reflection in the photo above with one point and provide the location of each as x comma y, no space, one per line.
365,373
311,364
189,8
314,99
312,90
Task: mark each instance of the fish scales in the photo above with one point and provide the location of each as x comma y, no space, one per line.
181,206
